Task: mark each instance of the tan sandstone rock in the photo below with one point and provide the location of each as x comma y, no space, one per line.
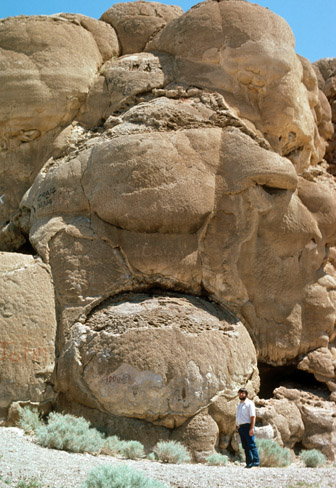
322,363
320,427
161,358
237,221
199,435
27,329
47,66
124,82
214,49
284,417
326,74
318,416
105,36
300,418
137,22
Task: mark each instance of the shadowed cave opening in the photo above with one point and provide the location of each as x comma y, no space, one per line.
27,248
272,377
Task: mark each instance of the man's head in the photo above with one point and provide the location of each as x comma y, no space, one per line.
242,393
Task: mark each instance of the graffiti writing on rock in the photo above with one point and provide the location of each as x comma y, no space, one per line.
121,379
46,198
17,352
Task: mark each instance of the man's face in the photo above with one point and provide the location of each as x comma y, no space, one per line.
242,396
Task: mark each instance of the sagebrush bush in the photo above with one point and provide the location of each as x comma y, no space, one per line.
29,483
113,445
69,433
132,449
271,454
313,458
120,476
217,459
29,420
172,452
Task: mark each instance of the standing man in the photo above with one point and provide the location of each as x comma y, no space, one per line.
245,420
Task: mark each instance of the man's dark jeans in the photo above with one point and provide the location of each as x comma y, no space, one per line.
249,445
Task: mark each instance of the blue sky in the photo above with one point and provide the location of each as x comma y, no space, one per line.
312,21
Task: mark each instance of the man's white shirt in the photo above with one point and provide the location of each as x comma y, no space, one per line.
245,411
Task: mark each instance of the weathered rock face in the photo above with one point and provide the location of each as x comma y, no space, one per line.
199,435
326,75
224,221
161,358
27,330
47,65
214,49
193,168
300,417
137,22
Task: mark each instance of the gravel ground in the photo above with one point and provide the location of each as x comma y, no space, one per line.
22,459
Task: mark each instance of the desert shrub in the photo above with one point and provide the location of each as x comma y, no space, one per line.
217,459
271,454
151,456
171,452
132,449
29,420
69,433
313,458
113,445
120,476
29,483
304,484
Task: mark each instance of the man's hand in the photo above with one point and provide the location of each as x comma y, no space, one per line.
251,431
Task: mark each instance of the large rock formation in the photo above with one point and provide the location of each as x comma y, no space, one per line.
300,417
28,330
154,184
137,22
47,66
326,76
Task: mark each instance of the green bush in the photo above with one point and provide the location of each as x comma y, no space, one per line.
29,420
313,458
132,449
271,454
29,483
304,484
217,459
113,445
120,476
69,433
171,452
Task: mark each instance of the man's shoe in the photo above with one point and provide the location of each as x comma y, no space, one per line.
255,465
249,465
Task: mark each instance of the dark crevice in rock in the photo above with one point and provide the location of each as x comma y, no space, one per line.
272,377
298,447
27,248
273,190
